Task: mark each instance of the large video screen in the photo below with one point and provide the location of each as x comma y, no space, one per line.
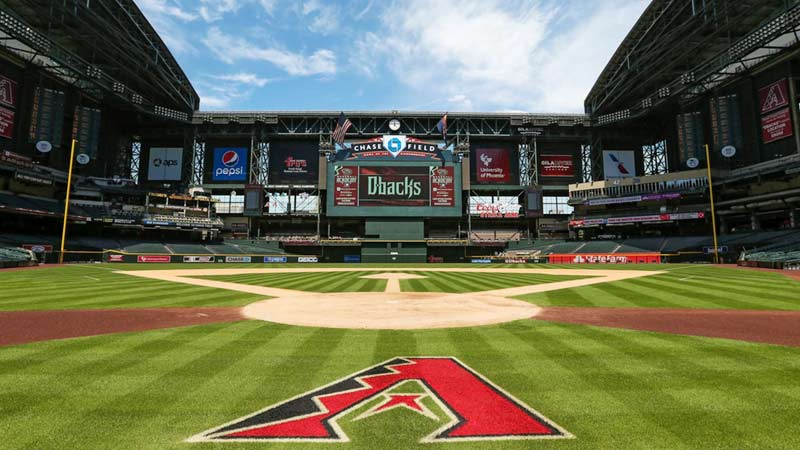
394,190
494,163
293,162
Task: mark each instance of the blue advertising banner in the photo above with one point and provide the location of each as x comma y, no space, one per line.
230,164
275,259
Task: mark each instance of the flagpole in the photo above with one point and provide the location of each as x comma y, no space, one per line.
713,212
66,202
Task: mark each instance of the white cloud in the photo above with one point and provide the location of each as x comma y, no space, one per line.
243,78
232,49
496,54
166,8
324,17
168,18
213,10
211,102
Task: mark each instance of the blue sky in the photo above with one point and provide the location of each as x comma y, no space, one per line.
433,55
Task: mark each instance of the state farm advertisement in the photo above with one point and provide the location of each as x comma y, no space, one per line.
557,166
616,258
345,185
443,192
493,165
394,186
776,126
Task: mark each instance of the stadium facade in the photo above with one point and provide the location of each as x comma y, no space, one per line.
155,175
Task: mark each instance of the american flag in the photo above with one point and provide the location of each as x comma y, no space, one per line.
442,127
342,126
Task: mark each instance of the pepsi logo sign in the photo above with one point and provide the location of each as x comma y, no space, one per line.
230,158
230,164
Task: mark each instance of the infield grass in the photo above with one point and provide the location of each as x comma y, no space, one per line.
353,281
612,389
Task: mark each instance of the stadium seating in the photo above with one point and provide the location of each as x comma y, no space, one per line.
598,247
188,249
145,247
16,257
224,249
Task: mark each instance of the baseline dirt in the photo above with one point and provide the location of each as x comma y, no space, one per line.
392,309
21,327
769,327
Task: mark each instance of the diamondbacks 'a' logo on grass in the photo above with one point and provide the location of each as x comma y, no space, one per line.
467,405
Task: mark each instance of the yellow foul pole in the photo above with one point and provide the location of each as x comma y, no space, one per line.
66,202
713,212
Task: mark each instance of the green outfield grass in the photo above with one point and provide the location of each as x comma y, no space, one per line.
353,281
612,389
685,287
97,286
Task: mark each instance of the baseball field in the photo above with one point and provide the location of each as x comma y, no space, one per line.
227,356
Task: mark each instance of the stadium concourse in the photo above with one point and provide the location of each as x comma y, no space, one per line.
173,277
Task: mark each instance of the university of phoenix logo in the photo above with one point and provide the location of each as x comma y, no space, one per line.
475,409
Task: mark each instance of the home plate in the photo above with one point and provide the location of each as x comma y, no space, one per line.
393,279
390,310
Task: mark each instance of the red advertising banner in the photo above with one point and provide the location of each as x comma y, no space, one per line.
443,192
345,185
6,123
774,96
8,92
615,258
394,186
38,248
153,259
776,126
493,165
557,165
116,258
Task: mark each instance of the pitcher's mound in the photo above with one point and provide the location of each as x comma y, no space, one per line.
390,311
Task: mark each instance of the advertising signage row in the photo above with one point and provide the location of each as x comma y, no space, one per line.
208,259
653,218
615,258
633,199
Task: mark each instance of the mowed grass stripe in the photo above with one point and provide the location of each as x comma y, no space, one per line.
700,287
66,288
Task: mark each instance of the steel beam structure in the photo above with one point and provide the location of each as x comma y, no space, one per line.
368,124
70,40
683,48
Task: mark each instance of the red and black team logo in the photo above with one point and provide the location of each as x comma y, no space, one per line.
475,409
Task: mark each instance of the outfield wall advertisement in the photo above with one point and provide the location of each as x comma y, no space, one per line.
230,164
407,186
619,164
616,258
165,163
294,162
493,164
557,166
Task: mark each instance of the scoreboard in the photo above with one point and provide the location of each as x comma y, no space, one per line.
394,190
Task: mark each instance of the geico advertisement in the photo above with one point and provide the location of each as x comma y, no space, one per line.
230,164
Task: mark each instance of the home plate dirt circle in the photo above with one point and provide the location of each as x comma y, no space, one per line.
391,309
